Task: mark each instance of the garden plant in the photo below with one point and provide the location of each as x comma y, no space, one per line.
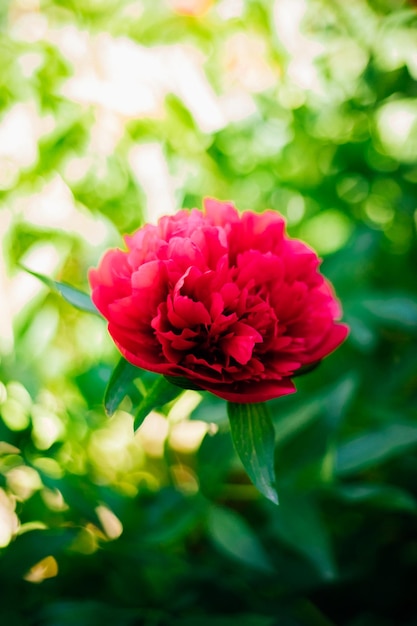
208,313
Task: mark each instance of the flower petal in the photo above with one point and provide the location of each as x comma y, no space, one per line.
241,343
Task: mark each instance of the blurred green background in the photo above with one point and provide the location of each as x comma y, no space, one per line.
113,113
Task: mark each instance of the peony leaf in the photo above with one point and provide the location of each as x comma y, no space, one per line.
159,394
32,546
254,439
378,495
78,299
233,536
184,383
300,525
119,384
372,448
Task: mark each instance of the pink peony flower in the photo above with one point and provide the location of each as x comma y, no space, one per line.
227,301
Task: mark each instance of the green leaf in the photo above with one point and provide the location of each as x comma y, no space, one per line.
184,383
170,518
235,538
374,447
31,547
362,333
80,494
299,524
243,619
78,299
213,462
332,401
159,394
396,310
69,612
119,384
212,410
382,496
254,439
295,420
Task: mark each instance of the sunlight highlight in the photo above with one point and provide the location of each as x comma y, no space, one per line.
46,568
9,522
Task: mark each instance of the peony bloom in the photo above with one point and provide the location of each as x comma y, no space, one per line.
226,301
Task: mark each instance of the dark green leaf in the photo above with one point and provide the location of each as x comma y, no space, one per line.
332,401
159,394
77,492
119,384
89,613
362,333
297,419
254,439
300,525
374,447
211,409
381,496
235,538
214,460
395,310
171,518
78,299
243,619
182,382
31,547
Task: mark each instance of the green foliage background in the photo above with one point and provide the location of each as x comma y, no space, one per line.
306,107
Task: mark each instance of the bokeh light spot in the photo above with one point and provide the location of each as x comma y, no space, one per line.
327,232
